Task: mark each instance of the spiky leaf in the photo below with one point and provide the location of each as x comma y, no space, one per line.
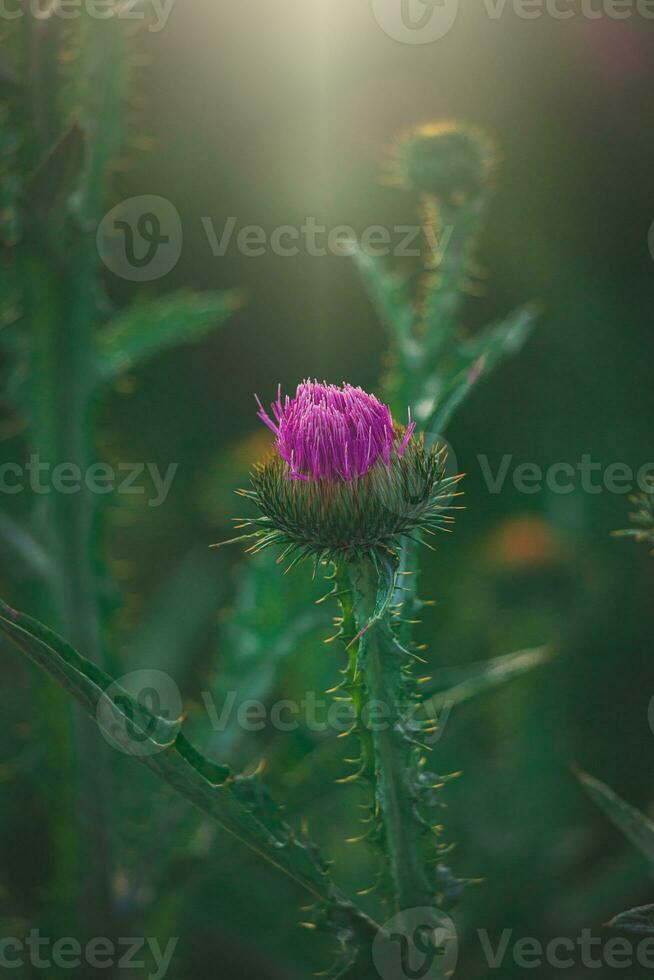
639,920
635,826
149,327
240,805
459,684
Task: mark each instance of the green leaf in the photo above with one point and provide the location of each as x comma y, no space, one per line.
459,684
272,614
639,920
240,805
24,546
149,327
473,359
636,827
388,292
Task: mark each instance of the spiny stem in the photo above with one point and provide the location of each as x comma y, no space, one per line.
381,665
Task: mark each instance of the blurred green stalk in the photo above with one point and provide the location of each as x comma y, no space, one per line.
58,268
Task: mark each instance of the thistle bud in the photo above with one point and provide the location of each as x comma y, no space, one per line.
344,480
445,160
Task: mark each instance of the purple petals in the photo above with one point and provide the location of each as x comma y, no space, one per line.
330,433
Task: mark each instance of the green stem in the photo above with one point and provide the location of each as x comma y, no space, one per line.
61,320
381,664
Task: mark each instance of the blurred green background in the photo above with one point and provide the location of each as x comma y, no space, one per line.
272,113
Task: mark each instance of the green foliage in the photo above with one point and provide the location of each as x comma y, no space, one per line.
639,920
77,347
239,804
583,386
631,822
393,756
639,831
434,364
435,377
636,827
433,370
149,327
52,184
181,610
272,617
456,685
642,517
63,129
24,547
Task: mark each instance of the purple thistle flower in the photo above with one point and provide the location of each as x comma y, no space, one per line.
346,482
331,433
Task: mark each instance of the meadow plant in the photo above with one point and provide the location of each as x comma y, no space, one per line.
636,826
347,486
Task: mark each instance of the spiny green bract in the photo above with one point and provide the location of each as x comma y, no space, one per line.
348,519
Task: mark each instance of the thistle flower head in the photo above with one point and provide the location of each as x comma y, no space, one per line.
332,433
344,479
